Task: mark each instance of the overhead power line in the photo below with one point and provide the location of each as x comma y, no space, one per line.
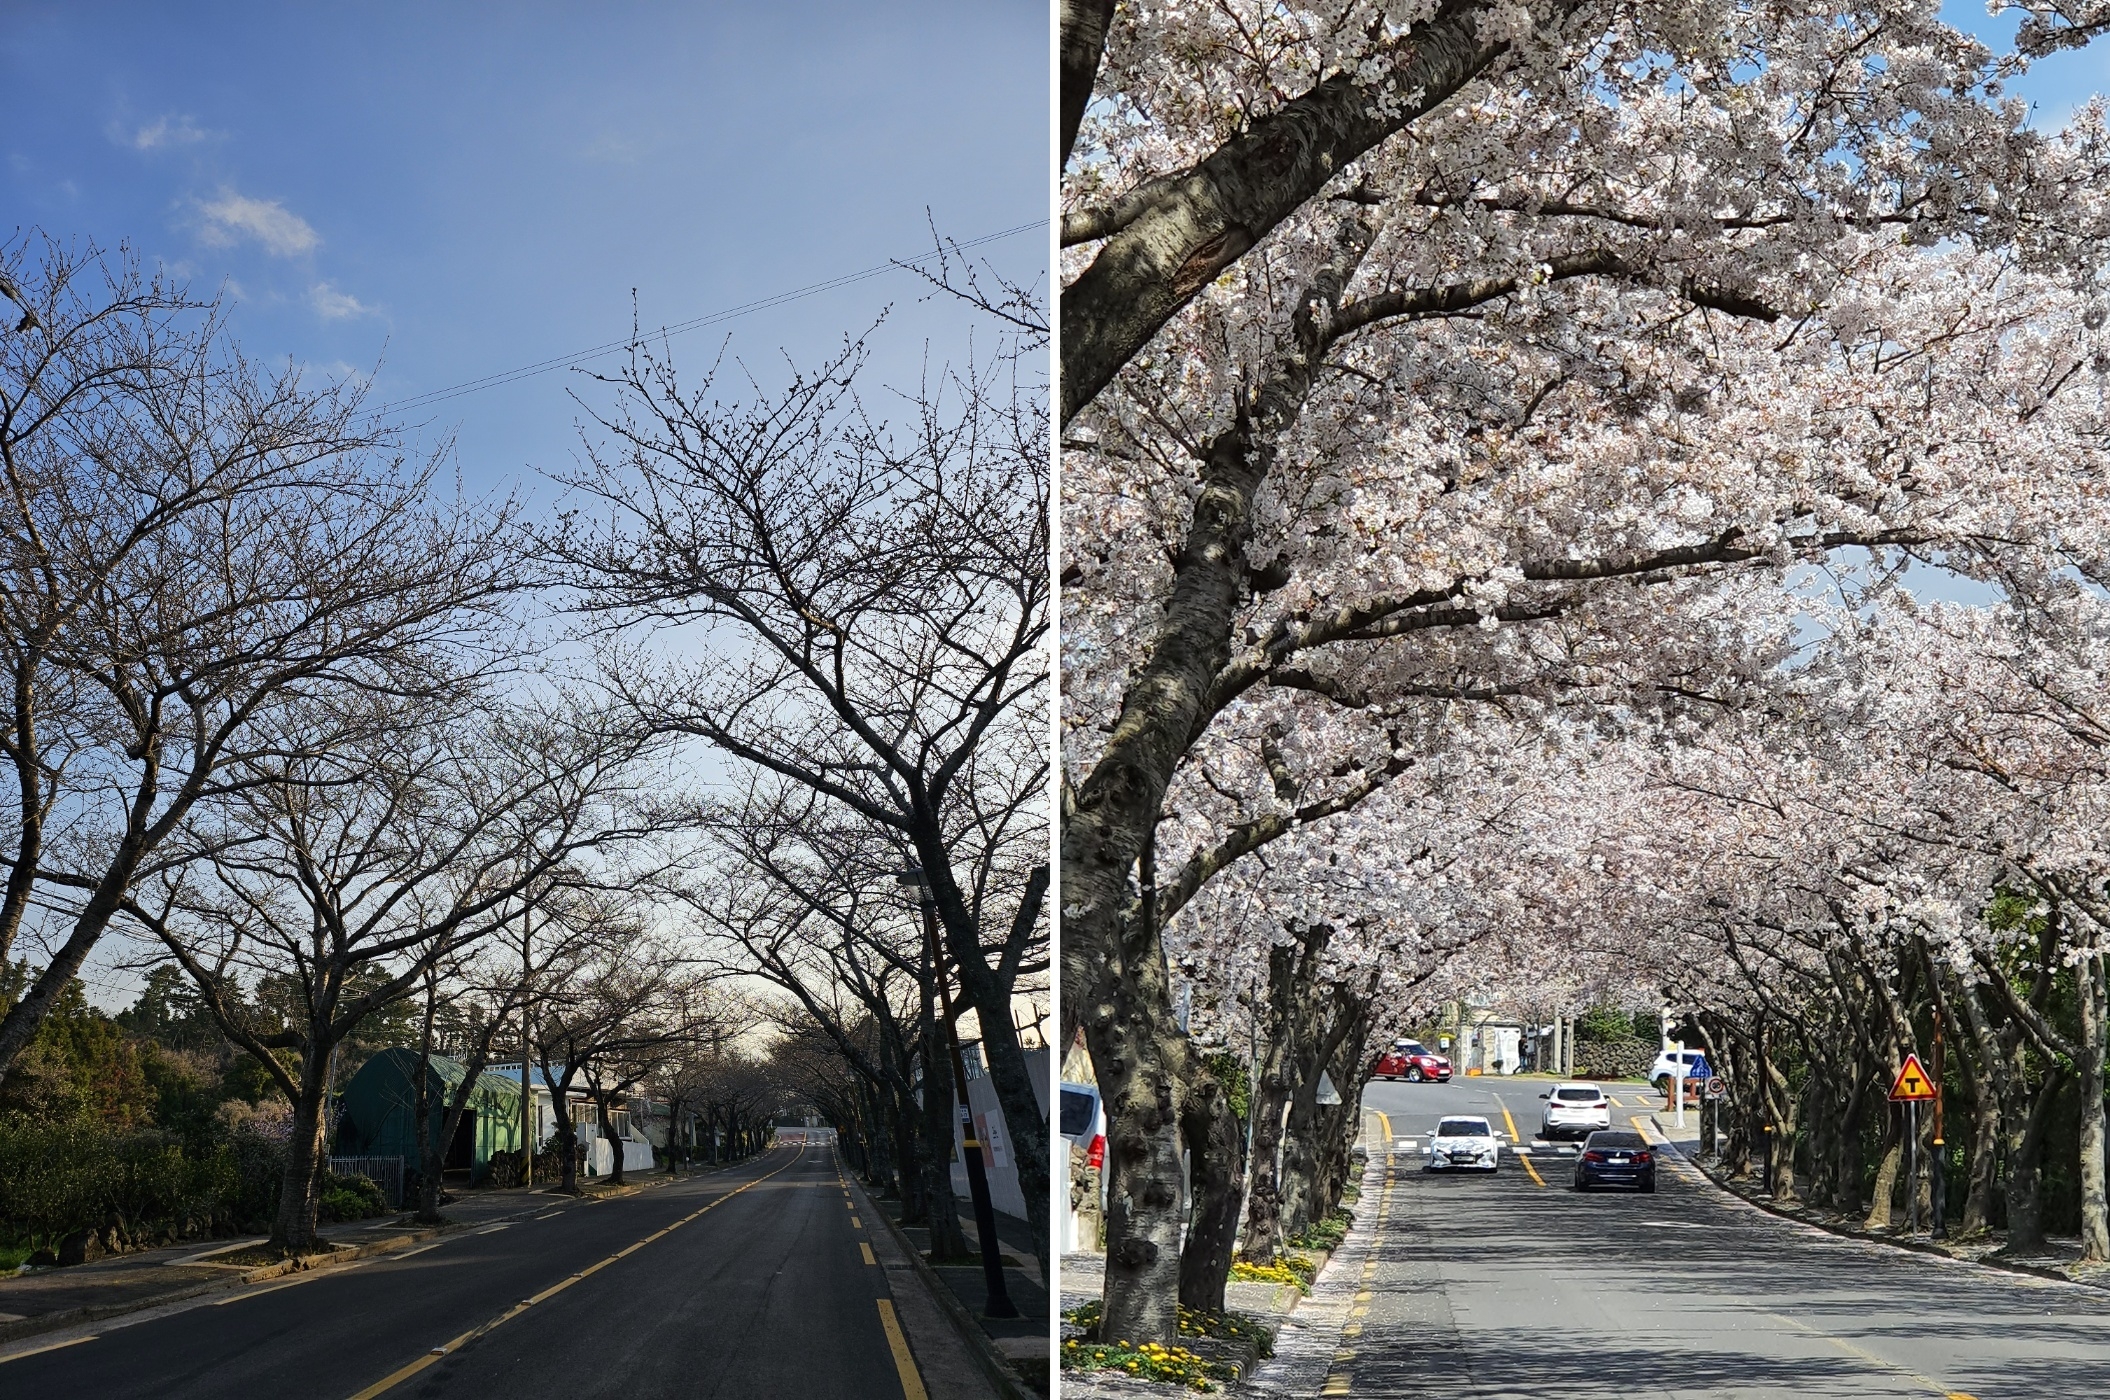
492,381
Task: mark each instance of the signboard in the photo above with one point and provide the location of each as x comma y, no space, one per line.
1913,1083
1716,1088
1699,1068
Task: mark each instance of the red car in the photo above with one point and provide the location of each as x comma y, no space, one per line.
1412,1061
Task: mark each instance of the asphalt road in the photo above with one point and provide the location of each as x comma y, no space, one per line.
751,1282
1502,1286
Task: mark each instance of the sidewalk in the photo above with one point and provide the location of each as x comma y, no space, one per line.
44,1300
941,1308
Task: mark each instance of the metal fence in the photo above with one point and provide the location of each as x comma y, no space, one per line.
384,1172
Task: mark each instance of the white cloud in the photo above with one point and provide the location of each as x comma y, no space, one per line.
233,217
333,305
167,131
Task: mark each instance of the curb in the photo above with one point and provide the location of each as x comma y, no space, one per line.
264,1273
991,1361
1902,1245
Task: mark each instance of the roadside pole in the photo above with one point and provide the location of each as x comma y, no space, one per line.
1678,1080
1938,1170
527,1094
1912,1166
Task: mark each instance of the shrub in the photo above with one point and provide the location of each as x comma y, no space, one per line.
351,1198
58,1178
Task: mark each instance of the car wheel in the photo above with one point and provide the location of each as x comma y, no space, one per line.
1649,1186
1579,1185
1414,1076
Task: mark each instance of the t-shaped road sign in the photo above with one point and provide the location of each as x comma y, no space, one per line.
1912,1083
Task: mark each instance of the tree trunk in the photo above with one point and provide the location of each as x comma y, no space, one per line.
2091,1014
566,1136
947,1241
1114,982
2025,1175
1289,969
1216,1149
1881,1197
293,1232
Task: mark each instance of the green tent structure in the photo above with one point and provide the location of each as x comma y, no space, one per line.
380,1113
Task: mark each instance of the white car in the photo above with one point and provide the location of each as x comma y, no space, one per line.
1665,1069
1575,1110
1464,1144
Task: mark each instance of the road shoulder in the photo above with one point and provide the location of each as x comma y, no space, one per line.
957,1359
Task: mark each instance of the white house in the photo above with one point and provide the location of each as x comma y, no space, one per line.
586,1124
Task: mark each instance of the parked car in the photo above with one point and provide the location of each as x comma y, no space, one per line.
1574,1110
1412,1061
1665,1069
1617,1158
1464,1144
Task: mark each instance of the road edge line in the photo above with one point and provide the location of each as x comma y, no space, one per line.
904,1360
987,1359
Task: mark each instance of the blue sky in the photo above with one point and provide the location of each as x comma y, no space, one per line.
450,191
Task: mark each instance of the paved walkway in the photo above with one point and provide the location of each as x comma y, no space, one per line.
1022,1340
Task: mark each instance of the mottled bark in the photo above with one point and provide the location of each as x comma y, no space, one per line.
1216,1150
2092,1014
1140,1058
299,1199
1084,26
1170,238
1114,985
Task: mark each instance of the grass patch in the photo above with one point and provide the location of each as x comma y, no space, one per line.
14,1256
1150,1362
1327,1233
1232,1326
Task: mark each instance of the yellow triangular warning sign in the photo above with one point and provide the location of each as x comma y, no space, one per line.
1912,1081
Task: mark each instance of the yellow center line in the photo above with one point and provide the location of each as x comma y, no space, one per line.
404,1373
1506,1118
869,1259
1516,1138
905,1364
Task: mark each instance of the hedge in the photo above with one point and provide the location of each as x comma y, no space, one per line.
131,1187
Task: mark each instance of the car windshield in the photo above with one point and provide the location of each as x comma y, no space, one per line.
1578,1095
1463,1127
1615,1142
1077,1111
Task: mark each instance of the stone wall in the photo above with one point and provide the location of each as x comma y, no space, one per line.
1614,1059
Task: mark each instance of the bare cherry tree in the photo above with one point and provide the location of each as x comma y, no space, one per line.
863,616
190,547
353,867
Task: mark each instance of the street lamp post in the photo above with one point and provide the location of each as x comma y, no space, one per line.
999,1303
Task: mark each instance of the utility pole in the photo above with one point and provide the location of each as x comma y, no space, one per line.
1938,1169
527,1092
999,1296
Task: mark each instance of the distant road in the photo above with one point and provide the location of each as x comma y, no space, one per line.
1507,1287
757,1281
